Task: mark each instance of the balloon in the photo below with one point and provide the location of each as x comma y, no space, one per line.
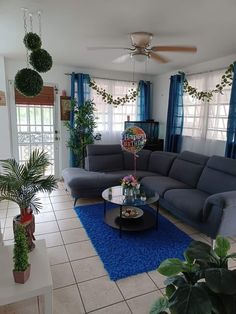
133,139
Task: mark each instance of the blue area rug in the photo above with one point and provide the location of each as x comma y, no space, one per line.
135,252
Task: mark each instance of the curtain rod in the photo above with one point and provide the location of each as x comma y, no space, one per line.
219,69
105,78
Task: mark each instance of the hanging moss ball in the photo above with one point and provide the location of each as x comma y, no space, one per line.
28,82
41,60
32,41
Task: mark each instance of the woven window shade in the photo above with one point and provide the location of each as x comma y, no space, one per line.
46,97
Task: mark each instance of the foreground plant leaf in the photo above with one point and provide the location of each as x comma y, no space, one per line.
199,250
170,267
222,246
190,300
160,306
221,280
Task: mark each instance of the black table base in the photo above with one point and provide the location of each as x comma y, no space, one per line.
112,217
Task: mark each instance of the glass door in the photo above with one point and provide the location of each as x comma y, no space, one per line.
34,126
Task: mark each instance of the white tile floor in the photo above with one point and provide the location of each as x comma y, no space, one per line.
81,284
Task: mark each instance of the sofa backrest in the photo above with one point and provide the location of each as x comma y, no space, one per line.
142,160
218,176
161,162
104,158
187,167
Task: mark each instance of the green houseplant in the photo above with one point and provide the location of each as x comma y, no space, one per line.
202,284
21,271
20,183
82,131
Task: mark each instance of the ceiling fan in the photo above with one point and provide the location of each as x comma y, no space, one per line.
141,49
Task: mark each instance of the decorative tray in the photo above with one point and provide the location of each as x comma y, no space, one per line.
129,212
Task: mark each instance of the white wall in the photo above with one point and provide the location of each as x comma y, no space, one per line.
56,76
161,84
5,142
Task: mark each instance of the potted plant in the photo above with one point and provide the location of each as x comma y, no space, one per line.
21,271
201,284
82,130
20,183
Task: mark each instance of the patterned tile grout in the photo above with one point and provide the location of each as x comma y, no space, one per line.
71,266
60,188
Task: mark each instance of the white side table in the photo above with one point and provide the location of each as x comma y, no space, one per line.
39,282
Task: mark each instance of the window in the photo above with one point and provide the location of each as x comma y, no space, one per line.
110,121
203,119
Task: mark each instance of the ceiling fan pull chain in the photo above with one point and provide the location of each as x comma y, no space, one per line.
133,70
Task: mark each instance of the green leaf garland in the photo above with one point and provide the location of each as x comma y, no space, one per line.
108,98
226,80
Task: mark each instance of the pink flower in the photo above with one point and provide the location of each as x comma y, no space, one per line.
129,181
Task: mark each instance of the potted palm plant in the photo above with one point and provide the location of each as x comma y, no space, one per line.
20,183
21,271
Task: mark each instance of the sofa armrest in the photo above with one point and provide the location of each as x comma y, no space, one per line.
222,201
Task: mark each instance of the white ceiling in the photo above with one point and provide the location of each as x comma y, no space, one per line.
70,26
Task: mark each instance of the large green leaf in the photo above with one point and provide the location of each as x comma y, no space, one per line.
159,306
217,305
199,250
170,267
190,300
178,281
221,280
222,246
170,289
229,302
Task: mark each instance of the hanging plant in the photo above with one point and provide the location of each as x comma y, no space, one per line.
108,98
28,82
41,60
226,80
32,41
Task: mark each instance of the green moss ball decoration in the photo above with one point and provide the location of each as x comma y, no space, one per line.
32,41
41,60
28,82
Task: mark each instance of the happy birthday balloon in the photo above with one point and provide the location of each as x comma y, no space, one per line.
133,139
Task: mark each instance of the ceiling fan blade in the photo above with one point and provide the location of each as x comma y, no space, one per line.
108,48
175,48
121,59
158,58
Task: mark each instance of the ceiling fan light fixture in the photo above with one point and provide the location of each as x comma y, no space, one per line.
140,57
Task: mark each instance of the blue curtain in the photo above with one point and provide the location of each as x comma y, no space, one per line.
80,94
230,150
144,100
175,117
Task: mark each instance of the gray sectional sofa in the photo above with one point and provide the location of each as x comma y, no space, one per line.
199,190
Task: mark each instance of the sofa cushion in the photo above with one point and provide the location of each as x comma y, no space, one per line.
187,167
161,162
104,158
95,149
139,174
79,179
218,176
142,160
161,184
189,201
104,163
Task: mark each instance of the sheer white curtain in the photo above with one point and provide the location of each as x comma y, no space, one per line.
205,123
110,122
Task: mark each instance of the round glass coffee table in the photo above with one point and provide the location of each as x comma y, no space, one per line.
129,216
